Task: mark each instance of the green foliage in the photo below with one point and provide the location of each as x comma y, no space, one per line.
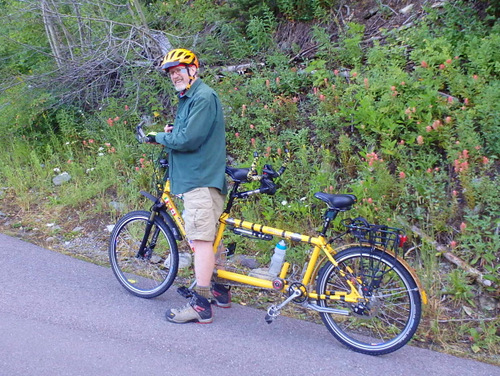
458,287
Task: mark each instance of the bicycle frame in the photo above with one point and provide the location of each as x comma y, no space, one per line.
320,243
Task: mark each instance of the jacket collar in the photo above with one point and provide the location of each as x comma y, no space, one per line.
190,92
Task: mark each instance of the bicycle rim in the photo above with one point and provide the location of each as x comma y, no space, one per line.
391,313
152,273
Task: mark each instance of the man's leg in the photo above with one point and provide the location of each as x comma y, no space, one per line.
200,223
204,262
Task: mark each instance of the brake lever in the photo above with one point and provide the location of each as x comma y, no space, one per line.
139,133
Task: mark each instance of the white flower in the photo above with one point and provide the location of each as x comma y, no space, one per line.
284,202
100,154
57,170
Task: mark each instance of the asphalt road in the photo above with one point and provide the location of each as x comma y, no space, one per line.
63,316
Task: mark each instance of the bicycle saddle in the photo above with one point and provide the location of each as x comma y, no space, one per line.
238,174
337,202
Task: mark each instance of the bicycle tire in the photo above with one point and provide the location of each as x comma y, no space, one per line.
393,310
145,276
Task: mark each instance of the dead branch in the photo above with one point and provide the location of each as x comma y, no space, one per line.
448,255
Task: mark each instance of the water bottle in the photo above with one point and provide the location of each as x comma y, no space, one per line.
278,258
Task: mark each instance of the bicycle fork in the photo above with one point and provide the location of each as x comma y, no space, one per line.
144,250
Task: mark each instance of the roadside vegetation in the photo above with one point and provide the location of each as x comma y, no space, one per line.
400,108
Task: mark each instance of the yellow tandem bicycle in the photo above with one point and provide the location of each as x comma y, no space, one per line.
367,295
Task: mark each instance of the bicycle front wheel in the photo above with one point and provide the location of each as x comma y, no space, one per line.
389,314
149,272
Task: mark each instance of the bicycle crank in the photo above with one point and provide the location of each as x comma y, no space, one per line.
275,310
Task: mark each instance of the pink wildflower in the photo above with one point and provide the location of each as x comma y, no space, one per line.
420,140
428,128
453,244
448,119
110,122
463,226
237,134
423,64
442,66
402,175
485,160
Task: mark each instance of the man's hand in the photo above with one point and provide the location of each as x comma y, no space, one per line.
151,138
168,128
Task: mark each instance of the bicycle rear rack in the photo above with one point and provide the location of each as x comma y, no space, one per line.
381,236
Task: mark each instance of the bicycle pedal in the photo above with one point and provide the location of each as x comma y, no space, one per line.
269,319
272,313
185,292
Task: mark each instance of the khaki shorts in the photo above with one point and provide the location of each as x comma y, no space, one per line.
202,209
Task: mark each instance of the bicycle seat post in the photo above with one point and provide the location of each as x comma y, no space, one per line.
330,215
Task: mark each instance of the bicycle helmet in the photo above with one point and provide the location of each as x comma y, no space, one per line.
179,56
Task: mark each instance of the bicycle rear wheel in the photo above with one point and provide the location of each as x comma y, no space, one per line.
389,316
151,273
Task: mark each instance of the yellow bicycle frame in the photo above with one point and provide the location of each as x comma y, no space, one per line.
320,243
320,246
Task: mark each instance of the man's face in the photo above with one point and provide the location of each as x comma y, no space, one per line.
180,76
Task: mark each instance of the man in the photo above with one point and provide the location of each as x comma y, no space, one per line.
197,157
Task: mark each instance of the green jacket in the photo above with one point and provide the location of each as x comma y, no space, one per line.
197,143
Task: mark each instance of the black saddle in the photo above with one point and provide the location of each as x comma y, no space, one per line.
338,202
239,175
